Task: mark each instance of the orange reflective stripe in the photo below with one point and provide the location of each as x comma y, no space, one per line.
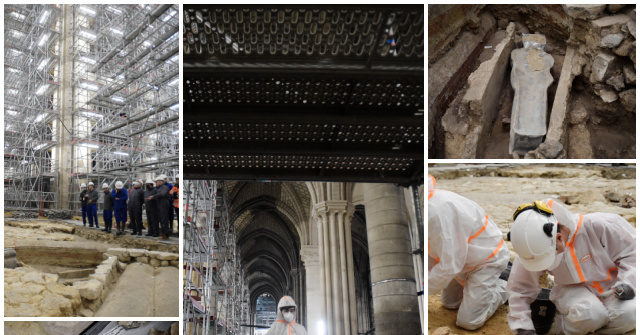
495,252
433,180
486,221
430,195
597,286
573,251
437,261
429,253
550,202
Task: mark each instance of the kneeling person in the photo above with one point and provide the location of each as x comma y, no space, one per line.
592,258
466,257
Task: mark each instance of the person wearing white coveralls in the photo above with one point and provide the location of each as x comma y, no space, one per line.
285,323
466,256
592,259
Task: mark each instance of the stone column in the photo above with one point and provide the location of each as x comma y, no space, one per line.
311,258
65,123
336,259
395,301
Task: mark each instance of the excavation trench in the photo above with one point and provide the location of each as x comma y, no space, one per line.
590,104
52,271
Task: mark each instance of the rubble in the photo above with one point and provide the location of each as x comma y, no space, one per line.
611,40
628,99
602,66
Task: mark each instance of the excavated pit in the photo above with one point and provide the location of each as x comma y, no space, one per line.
470,93
55,269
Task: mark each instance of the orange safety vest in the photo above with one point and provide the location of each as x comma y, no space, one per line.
176,200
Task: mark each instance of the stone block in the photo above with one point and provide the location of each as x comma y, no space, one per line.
609,21
585,12
628,100
603,65
578,115
137,252
154,262
624,49
530,78
614,8
164,263
611,40
89,289
142,259
607,95
616,81
629,74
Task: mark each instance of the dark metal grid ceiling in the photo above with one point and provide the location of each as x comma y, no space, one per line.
331,93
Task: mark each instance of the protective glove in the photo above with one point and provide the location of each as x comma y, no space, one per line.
526,332
622,291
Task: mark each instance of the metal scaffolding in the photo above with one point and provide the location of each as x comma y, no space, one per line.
216,296
121,97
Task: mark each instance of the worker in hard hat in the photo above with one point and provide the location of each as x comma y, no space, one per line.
107,208
83,203
136,200
466,257
592,259
119,195
175,196
285,323
92,205
151,209
163,205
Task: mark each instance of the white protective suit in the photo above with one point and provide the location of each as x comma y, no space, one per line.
281,326
600,252
466,256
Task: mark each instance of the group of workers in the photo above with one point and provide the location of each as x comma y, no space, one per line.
591,258
159,198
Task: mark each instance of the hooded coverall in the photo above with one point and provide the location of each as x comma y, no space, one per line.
466,257
120,207
281,326
600,252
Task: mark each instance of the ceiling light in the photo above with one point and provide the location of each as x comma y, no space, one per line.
117,99
90,87
119,153
11,112
88,60
40,117
92,114
114,10
173,82
12,91
39,146
176,132
18,16
44,16
147,44
169,15
42,89
88,35
43,64
43,39
87,11
117,32
175,107
89,145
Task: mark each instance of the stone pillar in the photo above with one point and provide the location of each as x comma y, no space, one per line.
395,300
311,258
336,259
65,124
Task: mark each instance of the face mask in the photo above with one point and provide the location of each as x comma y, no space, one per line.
289,317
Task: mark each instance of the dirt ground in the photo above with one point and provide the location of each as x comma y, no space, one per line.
500,189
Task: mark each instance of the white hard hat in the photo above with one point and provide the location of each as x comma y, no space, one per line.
532,241
160,177
136,183
90,183
83,185
119,184
105,185
149,181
